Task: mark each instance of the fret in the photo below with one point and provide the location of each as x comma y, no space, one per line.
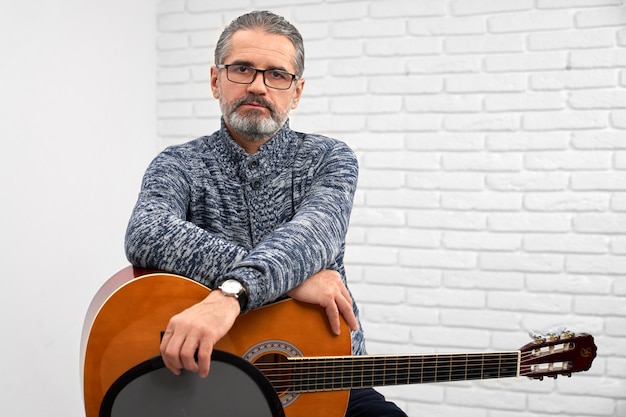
338,373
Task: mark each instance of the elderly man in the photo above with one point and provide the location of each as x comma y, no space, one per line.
255,211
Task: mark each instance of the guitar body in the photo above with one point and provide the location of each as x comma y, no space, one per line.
125,320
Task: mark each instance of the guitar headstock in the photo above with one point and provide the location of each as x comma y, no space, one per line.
557,353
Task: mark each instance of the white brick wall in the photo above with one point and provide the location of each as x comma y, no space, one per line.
492,196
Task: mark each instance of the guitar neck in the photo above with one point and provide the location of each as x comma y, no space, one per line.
346,372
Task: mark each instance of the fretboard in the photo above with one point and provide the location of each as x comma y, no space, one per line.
345,372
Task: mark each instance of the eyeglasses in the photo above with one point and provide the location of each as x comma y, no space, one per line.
273,78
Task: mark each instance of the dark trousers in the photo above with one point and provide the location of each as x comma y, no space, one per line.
368,402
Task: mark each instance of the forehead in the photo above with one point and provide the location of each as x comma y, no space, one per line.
261,49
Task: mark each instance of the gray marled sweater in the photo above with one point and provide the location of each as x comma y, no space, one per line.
209,211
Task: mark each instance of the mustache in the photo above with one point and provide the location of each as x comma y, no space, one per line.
254,99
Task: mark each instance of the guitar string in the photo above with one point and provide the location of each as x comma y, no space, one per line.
316,372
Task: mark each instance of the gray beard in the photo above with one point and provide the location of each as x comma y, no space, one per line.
254,127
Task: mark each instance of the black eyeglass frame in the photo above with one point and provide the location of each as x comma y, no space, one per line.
226,66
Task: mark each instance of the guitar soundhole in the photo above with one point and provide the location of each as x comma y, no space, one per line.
272,359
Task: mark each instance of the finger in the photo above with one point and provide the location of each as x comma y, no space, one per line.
346,310
204,360
170,349
333,318
188,354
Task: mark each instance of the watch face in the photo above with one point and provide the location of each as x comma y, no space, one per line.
231,287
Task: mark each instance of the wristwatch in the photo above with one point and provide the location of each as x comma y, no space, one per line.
234,288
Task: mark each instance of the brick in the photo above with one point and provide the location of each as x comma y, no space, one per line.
469,398
401,47
402,198
446,26
527,101
366,255
377,217
446,220
329,12
567,201
618,245
405,237
485,201
601,17
471,7
531,302
618,201
484,44
446,181
487,280
336,87
597,99
172,41
190,128
620,160
424,258
445,337
401,160
445,142
527,141
529,61
407,276
599,181
493,122
480,241
483,162
616,326
589,264
406,85
181,22
597,58
207,109
565,4
598,140
569,161
584,405
618,119
564,120
366,105
403,123
367,141
209,5
603,223
443,64
555,243
529,21
407,8
401,314
485,83
566,40
573,79
528,181
381,28
528,222
443,103
600,306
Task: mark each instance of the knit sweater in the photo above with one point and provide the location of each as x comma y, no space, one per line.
209,211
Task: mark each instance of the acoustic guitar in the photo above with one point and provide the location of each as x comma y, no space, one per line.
289,345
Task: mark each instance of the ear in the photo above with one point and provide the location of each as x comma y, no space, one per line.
297,93
215,72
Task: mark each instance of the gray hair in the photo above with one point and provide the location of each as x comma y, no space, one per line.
268,22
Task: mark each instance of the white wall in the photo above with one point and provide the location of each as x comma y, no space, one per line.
77,116
492,196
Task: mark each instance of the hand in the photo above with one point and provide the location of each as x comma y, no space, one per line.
199,328
326,289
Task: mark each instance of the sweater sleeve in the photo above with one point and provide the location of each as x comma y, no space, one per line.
159,236
313,239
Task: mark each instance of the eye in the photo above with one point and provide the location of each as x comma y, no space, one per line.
241,69
279,75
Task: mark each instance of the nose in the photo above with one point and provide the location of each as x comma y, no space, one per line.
257,86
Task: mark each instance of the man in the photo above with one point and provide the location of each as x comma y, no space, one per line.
255,211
